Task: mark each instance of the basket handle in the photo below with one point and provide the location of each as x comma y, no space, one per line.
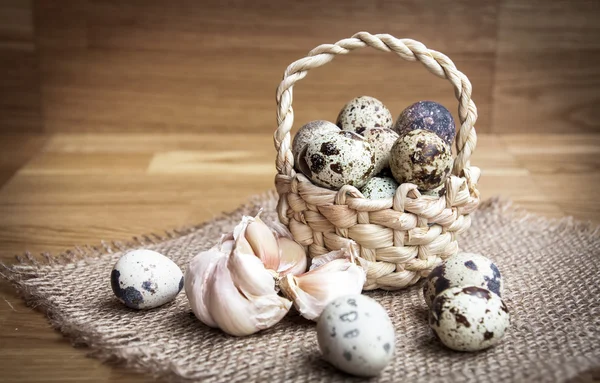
410,50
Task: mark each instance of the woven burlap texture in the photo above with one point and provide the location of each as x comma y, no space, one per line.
550,269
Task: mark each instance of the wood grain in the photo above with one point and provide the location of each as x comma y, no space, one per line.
547,71
207,67
19,78
81,189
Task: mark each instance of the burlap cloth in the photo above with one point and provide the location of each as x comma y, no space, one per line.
551,271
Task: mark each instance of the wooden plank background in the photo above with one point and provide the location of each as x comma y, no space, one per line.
185,66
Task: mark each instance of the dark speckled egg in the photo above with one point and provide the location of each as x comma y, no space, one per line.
307,133
336,159
363,113
144,279
422,158
460,270
469,318
427,115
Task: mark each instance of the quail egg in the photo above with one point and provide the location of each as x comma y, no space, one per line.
381,140
356,335
439,191
427,115
144,279
309,132
333,160
380,188
363,113
422,158
460,270
469,318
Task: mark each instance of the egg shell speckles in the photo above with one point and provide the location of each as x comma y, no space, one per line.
356,335
363,113
427,115
144,279
469,318
337,159
309,132
421,158
439,191
381,141
460,270
380,188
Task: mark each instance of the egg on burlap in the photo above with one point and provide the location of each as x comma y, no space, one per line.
333,160
363,113
460,270
308,132
468,318
379,188
144,279
427,115
422,158
381,140
356,335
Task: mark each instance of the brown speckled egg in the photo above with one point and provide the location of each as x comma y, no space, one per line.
363,113
380,188
469,318
427,115
333,160
422,158
309,132
381,140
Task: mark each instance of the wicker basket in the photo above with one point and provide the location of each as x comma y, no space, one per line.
403,237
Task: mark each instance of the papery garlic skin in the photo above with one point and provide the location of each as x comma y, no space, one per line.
312,291
292,257
197,276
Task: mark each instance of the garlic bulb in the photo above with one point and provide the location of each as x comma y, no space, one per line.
229,287
333,275
233,286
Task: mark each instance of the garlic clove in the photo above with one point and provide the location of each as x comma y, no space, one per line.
197,276
292,257
312,291
249,274
238,313
253,236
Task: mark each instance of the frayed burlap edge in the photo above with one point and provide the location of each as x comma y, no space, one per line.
28,267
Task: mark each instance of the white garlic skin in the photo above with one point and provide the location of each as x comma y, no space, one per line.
308,132
380,188
469,318
356,335
463,269
381,141
144,279
362,113
337,159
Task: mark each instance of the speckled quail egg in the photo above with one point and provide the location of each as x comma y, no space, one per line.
363,113
309,132
469,318
381,140
460,270
356,335
380,188
144,279
427,115
333,160
439,191
422,158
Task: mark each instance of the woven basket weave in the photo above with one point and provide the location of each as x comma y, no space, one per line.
401,238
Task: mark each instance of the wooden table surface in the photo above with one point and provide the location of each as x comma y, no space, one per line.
63,190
